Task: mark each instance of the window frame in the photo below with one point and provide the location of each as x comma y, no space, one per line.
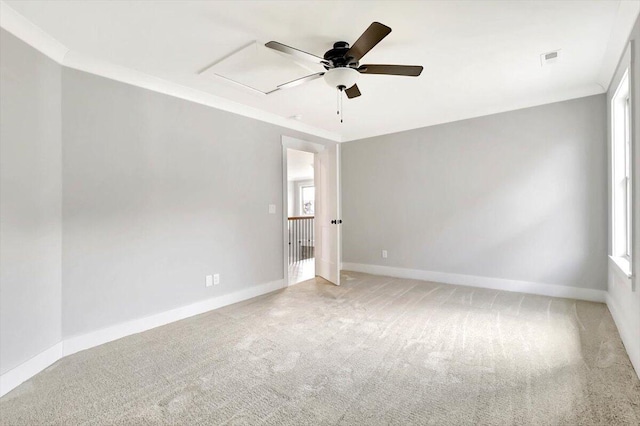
622,176
301,188
628,174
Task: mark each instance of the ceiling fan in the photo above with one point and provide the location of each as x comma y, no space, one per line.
342,63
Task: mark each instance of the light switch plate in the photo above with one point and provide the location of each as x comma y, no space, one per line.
272,209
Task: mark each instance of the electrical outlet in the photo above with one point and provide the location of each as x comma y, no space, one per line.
209,281
216,279
384,254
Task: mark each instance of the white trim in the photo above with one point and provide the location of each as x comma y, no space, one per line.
626,16
621,240
85,341
31,34
289,142
622,266
529,287
301,145
94,66
456,115
285,214
21,27
30,368
626,334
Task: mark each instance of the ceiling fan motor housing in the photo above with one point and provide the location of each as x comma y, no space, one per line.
338,56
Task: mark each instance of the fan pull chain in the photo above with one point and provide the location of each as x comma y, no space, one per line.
339,102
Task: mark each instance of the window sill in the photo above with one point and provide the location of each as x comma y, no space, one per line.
622,264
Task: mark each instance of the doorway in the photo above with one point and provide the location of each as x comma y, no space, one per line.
301,204
311,206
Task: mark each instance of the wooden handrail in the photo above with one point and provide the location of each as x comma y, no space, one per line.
300,217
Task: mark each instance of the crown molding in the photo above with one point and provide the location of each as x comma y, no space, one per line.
455,116
628,12
21,27
28,32
86,63
34,36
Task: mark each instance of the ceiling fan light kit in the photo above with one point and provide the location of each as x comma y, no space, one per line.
341,78
342,63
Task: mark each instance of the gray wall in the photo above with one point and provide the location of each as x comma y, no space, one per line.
159,192
623,298
519,195
30,197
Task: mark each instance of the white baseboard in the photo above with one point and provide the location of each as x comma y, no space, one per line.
26,370
630,340
30,368
89,340
482,282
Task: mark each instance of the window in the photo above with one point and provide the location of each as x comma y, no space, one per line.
307,198
621,175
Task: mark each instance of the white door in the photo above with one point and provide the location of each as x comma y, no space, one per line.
327,214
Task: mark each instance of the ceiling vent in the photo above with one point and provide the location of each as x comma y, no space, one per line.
550,58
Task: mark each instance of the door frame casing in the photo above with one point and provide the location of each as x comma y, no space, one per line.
289,142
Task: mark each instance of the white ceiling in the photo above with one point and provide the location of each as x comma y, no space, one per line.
480,57
299,165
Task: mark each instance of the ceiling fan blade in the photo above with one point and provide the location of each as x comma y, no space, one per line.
407,70
299,81
353,92
295,52
372,36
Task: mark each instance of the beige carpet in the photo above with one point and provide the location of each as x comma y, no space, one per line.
374,351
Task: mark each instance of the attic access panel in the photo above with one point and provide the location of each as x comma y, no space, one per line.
260,69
